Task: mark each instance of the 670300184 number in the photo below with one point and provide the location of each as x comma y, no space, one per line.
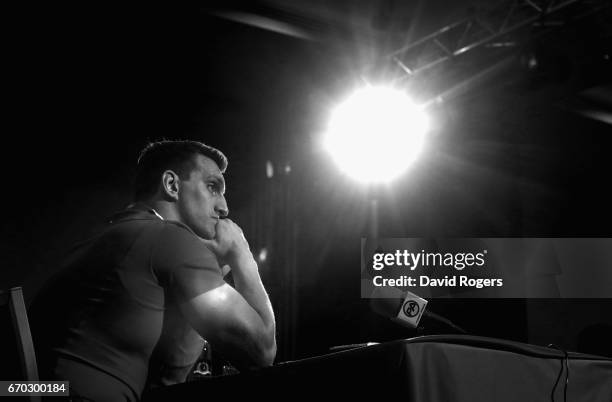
16,388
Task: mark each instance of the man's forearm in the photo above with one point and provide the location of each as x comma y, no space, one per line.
248,283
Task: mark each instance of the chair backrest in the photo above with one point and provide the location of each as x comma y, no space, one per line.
18,357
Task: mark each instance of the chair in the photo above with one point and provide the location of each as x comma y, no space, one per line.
18,361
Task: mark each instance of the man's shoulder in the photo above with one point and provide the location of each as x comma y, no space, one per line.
173,243
135,212
138,216
178,244
176,232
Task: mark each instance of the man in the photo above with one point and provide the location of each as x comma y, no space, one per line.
136,300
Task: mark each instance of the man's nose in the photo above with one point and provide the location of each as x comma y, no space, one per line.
221,208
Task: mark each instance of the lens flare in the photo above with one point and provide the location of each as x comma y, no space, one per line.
376,134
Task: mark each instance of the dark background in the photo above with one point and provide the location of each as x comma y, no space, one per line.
513,156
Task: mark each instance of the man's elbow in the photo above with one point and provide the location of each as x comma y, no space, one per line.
266,355
266,346
269,355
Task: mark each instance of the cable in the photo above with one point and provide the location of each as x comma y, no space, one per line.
566,362
566,376
443,320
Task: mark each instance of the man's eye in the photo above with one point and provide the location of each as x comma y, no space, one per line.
213,188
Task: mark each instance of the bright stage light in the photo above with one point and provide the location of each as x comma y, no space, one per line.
376,134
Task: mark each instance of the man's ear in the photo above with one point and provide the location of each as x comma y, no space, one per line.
170,184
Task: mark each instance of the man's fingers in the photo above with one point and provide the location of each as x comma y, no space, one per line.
225,270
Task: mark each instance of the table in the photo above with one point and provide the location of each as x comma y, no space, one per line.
424,369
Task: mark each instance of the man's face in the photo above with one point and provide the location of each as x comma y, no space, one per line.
201,198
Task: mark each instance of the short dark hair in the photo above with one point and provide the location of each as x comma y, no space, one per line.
176,155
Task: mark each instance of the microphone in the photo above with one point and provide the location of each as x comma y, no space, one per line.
413,308
405,308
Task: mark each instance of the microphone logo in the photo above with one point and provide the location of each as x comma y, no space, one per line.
411,308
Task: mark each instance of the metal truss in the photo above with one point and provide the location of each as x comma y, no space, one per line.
491,28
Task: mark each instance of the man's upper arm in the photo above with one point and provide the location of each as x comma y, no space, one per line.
225,319
183,264
192,278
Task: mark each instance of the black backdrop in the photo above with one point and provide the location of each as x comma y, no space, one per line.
91,85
